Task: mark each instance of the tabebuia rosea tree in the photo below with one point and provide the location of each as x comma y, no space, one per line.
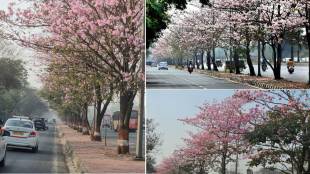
238,26
269,129
104,36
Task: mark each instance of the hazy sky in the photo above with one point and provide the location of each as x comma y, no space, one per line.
166,106
28,56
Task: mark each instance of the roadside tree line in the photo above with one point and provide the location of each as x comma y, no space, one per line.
92,51
236,27
16,97
268,129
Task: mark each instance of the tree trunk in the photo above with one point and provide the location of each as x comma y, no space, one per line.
194,61
100,113
277,63
80,127
96,136
292,51
126,104
85,125
259,59
202,62
223,164
197,61
209,60
249,61
213,60
236,62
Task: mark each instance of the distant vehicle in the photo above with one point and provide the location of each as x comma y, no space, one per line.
286,59
3,146
133,122
218,62
22,134
149,63
106,121
40,124
153,64
163,65
23,117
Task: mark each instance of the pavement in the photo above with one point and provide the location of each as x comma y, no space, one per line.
49,158
178,79
95,157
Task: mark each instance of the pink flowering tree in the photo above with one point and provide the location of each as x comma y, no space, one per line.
106,36
221,127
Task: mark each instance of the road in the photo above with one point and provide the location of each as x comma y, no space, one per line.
300,74
49,159
178,79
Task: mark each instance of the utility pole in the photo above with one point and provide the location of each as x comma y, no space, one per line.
230,49
139,143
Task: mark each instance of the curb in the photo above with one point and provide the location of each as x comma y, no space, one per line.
73,162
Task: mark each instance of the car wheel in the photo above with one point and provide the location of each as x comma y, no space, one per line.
2,163
35,149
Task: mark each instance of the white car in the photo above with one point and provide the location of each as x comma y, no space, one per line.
22,134
163,65
3,146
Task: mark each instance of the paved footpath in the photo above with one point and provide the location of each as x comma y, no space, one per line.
94,157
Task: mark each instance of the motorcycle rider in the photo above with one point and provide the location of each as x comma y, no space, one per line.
290,63
190,66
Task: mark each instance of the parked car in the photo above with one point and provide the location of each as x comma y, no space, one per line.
163,65
3,145
22,134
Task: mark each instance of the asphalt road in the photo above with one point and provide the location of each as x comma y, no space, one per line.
49,158
177,79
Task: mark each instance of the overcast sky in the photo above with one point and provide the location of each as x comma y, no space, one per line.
28,56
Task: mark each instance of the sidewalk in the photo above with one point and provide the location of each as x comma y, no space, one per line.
93,157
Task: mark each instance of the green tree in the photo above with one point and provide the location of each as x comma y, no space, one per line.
157,18
13,74
283,140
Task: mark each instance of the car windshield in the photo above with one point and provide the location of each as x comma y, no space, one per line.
163,63
19,123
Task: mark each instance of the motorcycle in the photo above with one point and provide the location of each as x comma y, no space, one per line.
290,69
190,69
